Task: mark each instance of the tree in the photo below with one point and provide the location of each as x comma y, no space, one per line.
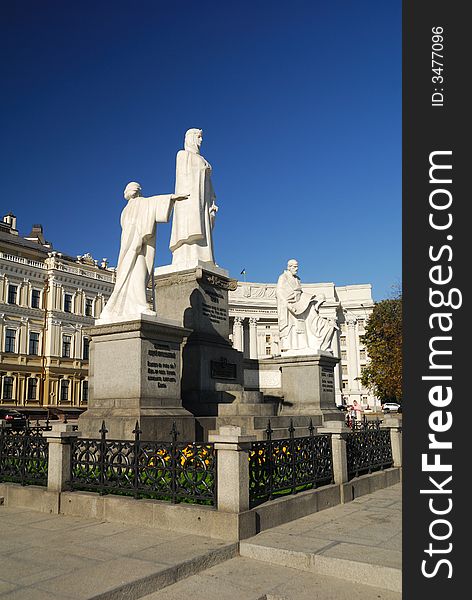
383,342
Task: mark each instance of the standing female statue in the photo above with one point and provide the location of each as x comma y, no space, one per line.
137,249
192,223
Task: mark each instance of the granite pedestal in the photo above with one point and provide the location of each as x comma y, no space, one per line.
212,371
308,386
135,371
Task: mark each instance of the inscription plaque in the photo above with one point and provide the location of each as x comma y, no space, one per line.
162,365
327,380
222,369
214,313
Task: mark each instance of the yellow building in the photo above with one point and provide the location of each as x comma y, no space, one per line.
47,299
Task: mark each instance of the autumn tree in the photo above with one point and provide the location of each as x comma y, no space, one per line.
383,342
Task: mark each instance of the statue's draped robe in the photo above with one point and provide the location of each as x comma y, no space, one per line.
136,259
191,237
300,325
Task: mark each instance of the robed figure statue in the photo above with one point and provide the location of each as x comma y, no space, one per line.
302,329
193,220
137,249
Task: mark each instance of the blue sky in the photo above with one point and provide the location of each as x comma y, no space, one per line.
300,106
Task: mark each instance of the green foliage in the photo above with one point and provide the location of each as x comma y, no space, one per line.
383,341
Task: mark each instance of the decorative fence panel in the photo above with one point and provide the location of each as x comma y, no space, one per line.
368,449
173,471
24,455
290,465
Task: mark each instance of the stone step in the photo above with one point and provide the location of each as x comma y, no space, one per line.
281,421
245,579
236,408
252,397
378,567
279,425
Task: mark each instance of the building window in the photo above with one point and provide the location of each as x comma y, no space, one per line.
34,343
10,337
343,354
345,385
268,350
64,390
85,391
8,388
35,298
362,354
343,340
267,339
32,388
68,303
86,349
344,369
66,343
88,307
12,294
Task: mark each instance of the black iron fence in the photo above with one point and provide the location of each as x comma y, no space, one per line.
368,449
173,471
290,465
364,423
24,456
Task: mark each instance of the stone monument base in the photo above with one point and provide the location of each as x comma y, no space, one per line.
135,373
197,298
308,385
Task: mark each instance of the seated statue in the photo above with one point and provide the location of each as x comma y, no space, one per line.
302,329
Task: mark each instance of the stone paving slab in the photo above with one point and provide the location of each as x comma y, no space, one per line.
350,551
247,579
359,541
57,557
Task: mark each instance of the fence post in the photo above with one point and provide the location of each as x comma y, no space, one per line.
233,468
59,439
395,426
337,429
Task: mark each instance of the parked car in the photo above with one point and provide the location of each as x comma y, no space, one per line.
12,417
391,407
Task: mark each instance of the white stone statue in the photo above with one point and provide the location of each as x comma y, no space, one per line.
302,329
192,223
137,249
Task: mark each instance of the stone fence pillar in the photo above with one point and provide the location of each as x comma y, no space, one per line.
395,426
233,468
338,430
59,439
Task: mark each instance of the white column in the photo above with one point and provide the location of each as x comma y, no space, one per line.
352,360
238,339
3,281
337,369
24,292
23,334
253,337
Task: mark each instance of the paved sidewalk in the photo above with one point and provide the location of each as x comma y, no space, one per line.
53,557
360,541
349,552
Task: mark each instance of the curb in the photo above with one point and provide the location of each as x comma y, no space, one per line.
157,581
387,578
